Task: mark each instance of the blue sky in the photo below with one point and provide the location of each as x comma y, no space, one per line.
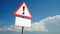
45,13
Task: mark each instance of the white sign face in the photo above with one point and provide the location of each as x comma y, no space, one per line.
23,8
22,22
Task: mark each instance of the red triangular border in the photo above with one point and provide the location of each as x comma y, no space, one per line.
20,14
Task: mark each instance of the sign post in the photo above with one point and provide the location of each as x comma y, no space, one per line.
22,14
22,29
23,17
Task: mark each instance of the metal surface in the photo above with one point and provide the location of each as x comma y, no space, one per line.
22,30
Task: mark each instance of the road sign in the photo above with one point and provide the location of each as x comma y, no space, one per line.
22,10
22,22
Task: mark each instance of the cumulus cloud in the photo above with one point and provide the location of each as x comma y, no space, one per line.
3,29
53,19
37,26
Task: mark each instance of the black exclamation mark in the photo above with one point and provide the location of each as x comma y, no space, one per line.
23,9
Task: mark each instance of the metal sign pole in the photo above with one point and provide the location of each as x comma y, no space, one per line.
22,29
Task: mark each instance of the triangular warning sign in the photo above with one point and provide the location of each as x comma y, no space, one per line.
22,10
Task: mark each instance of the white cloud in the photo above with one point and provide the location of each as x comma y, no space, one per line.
53,19
3,29
37,26
14,28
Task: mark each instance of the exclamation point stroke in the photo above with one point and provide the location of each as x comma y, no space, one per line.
23,9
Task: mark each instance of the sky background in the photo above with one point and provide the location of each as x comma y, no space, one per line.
45,13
